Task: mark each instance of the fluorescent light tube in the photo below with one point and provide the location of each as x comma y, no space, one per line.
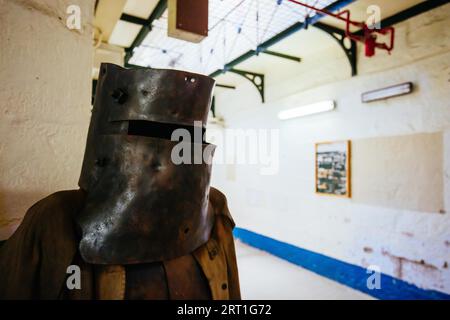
307,110
393,91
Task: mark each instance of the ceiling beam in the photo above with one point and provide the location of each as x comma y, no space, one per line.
133,19
225,86
339,35
282,55
257,79
146,28
280,36
107,13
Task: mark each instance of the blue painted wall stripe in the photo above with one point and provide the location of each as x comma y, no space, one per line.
345,273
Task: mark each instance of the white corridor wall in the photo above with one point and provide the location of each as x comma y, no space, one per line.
409,244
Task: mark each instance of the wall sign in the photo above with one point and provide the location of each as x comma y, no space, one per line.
332,168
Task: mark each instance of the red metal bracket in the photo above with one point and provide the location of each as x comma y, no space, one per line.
370,35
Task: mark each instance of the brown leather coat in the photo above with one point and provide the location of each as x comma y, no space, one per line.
34,261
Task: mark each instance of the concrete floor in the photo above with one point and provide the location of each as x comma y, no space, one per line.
264,276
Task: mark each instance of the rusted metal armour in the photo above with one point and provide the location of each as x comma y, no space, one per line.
140,206
34,260
140,227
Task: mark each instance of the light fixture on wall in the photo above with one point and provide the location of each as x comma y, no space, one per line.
389,92
307,110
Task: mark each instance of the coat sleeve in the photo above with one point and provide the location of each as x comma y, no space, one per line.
19,260
33,261
224,232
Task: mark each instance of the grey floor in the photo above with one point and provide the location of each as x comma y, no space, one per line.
264,276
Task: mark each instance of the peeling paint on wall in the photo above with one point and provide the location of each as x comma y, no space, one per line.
401,261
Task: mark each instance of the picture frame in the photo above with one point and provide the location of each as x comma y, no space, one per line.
333,168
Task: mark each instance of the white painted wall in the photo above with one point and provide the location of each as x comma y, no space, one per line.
285,207
45,94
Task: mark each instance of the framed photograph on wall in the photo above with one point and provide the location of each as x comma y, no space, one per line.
332,176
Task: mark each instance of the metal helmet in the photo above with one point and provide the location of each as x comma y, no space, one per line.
141,206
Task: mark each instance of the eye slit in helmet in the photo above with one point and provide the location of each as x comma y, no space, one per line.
161,130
